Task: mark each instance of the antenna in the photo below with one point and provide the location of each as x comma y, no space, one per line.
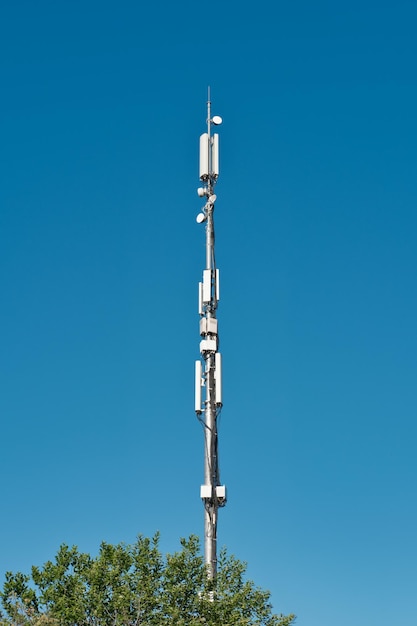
208,369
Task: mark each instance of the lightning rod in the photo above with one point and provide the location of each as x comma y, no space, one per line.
208,370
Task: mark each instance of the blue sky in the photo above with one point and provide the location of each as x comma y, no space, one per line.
102,107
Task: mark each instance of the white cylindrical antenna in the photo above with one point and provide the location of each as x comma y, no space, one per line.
204,156
198,378
218,378
217,285
215,156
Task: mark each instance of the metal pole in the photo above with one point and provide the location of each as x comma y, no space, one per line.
212,493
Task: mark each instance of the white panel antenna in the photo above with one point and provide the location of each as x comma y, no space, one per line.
215,156
204,156
198,385
200,299
218,378
206,286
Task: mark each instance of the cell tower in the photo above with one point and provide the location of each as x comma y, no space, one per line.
208,369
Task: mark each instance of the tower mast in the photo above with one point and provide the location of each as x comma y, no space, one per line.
208,382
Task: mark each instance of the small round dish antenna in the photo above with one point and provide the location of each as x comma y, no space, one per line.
217,120
200,218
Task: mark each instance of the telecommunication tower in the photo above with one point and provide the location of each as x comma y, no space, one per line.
208,369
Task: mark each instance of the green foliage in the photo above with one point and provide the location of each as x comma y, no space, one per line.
135,585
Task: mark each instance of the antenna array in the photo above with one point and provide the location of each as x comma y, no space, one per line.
208,369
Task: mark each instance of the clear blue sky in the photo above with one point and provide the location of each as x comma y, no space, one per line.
101,109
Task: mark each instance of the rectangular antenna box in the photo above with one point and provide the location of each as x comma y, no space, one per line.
205,491
208,345
208,325
221,492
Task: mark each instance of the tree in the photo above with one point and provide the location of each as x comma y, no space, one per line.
135,585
